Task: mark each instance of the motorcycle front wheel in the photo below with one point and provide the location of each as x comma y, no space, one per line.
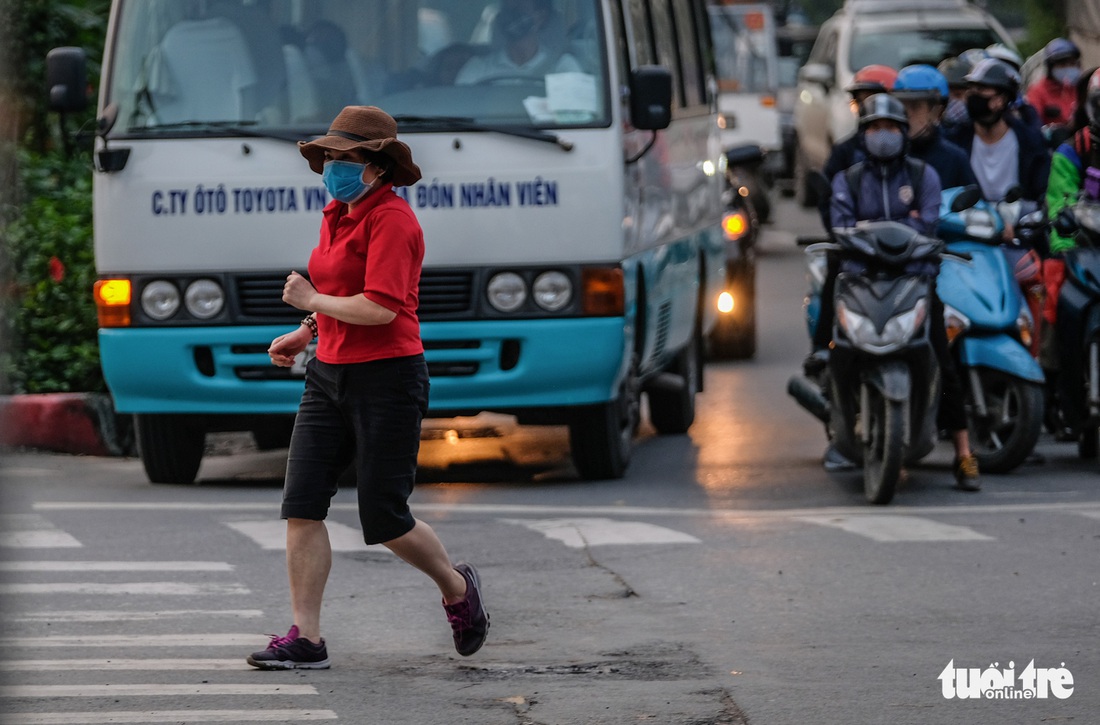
885,450
1004,437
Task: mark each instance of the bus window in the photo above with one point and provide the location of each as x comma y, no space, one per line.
278,65
667,52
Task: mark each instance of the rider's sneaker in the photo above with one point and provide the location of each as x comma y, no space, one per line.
468,618
966,474
291,653
834,460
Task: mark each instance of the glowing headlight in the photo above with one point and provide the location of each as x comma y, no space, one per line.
204,298
552,291
956,322
895,334
160,300
507,291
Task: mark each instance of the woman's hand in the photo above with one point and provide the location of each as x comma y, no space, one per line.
298,292
286,347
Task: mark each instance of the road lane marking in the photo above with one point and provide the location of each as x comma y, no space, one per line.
136,640
1091,514
888,527
619,511
160,589
580,532
154,689
141,665
31,531
165,716
50,566
271,535
118,615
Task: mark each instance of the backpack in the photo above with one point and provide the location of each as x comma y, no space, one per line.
915,168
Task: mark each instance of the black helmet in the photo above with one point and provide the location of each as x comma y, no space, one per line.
1059,50
880,106
996,74
955,71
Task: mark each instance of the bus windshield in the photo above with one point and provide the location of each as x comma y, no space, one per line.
744,48
230,67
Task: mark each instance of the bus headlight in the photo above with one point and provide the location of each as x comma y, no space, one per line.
506,291
552,291
204,298
160,300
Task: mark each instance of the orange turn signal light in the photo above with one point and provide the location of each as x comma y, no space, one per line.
734,225
112,302
602,292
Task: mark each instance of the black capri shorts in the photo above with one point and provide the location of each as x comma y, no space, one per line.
369,413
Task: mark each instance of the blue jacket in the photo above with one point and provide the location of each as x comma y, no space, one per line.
886,194
1034,158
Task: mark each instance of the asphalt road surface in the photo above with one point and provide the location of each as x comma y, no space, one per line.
727,579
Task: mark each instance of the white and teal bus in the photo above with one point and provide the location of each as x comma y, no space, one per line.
571,205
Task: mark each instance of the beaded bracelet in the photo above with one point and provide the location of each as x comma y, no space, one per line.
311,322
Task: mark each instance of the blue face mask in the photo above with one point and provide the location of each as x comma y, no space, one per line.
344,180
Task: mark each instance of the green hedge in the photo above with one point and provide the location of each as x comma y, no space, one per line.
49,311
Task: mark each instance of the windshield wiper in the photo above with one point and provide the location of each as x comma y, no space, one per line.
237,128
447,123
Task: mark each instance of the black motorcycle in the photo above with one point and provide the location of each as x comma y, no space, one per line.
881,376
1077,330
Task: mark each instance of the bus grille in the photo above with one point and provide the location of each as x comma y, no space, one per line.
442,294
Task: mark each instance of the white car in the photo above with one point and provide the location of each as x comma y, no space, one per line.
894,33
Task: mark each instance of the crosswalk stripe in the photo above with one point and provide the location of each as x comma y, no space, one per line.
172,589
116,615
165,716
137,640
204,690
271,535
887,527
117,664
581,532
48,566
31,531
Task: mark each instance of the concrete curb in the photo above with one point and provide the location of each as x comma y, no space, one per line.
78,423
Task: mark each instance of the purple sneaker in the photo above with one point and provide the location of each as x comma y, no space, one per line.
291,653
468,618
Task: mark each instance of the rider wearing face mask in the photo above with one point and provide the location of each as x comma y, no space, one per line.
1055,95
923,91
1005,151
889,185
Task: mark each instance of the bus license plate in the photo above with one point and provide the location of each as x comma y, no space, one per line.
300,360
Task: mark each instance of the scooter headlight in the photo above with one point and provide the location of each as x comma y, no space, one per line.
980,223
897,331
956,322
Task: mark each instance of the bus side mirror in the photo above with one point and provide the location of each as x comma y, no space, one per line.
651,97
67,79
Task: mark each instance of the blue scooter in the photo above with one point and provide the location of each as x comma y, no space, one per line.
988,322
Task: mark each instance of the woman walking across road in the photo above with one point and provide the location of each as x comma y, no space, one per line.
367,389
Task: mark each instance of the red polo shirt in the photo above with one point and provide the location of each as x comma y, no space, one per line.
374,250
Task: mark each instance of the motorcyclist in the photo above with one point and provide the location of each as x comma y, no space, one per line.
867,81
888,185
1074,173
923,90
1054,95
1004,150
955,115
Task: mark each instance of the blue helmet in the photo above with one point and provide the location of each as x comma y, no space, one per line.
1058,50
921,81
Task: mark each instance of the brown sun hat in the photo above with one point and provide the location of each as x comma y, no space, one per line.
368,128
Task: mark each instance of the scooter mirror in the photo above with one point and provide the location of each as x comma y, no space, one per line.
1065,222
966,198
1014,194
820,185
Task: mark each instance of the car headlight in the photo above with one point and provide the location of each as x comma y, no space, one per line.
160,300
204,298
897,331
552,291
507,291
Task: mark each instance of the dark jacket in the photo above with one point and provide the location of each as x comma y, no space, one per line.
1034,160
950,162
